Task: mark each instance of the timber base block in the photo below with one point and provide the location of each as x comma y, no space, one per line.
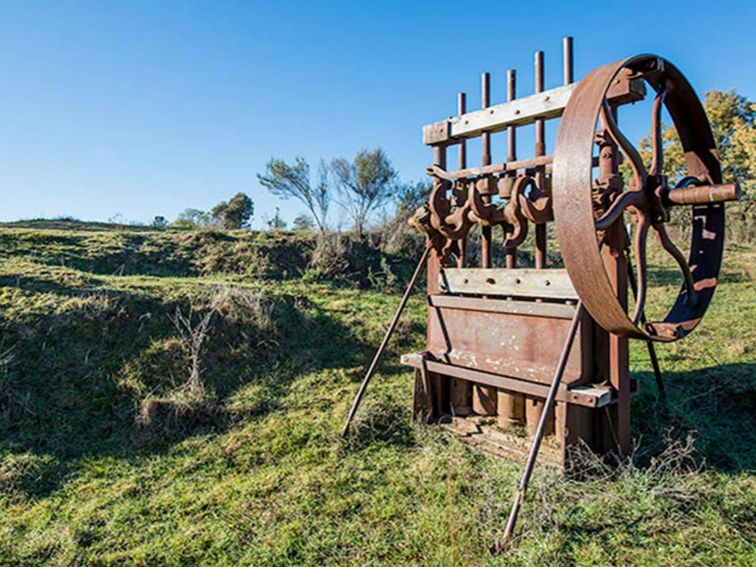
504,426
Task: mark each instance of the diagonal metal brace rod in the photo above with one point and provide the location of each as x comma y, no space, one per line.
390,331
538,437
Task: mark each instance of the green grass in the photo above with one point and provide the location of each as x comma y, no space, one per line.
257,474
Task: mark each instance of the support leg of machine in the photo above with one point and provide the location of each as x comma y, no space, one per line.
386,338
545,415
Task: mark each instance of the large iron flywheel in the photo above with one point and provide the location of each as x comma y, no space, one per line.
590,204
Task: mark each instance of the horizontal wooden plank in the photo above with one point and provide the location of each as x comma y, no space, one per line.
478,432
522,111
519,112
437,133
589,396
517,282
514,307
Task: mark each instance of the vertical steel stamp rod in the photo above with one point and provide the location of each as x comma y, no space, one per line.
568,66
386,339
511,406
616,268
461,390
484,399
538,437
540,150
511,254
462,154
485,95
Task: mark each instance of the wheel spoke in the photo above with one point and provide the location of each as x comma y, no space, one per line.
657,143
639,245
627,148
674,251
615,210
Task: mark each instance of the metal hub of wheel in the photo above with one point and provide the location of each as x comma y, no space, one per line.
589,208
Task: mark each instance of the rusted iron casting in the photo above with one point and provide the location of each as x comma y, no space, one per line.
496,332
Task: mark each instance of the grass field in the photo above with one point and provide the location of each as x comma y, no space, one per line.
108,458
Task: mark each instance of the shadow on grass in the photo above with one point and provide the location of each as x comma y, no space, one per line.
36,284
663,276
84,370
167,254
104,253
716,405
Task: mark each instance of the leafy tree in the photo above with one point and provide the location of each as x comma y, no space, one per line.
365,184
733,123
118,219
293,181
234,214
192,218
159,222
410,196
303,222
395,232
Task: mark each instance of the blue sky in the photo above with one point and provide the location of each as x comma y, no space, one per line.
147,108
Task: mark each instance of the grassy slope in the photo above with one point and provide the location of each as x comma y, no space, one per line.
271,482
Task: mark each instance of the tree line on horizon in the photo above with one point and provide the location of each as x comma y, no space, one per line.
362,188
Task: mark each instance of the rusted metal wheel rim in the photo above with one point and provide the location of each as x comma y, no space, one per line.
573,205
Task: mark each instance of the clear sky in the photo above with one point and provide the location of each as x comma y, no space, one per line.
146,108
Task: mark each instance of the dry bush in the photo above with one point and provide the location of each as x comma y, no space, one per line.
329,256
180,411
193,326
671,478
248,309
240,316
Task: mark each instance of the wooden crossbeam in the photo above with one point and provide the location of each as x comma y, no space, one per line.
522,111
519,112
588,395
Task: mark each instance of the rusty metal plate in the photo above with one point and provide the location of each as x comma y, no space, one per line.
520,345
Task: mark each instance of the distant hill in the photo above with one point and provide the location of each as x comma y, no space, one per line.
66,223
106,249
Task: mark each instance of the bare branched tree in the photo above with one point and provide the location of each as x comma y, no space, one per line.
194,330
293,181
365,184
